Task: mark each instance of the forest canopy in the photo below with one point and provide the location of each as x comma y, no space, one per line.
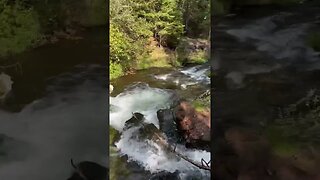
138,27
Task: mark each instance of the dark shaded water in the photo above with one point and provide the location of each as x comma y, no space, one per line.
262,62
56,110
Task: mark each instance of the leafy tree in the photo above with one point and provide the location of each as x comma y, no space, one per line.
19,28
196,17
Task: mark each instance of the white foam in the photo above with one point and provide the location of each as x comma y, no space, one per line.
148,154
162,76
152,157
197,73
280,43
144,99
51,130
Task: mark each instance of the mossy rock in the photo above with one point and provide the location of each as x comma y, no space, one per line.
202,104
193,51
114,135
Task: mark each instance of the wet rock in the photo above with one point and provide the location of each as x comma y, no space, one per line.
165,176
5,85
87,170
135,120
148,131
168,125
194,125
110,89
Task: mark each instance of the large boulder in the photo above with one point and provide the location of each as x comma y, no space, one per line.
194,125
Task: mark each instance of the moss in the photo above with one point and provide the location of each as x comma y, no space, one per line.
112,135
118,166
118,169
202,104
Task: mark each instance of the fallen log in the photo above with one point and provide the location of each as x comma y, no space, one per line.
151,132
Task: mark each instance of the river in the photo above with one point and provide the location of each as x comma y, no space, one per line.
57,109
262,62
146,92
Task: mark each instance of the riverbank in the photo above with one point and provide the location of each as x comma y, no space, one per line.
27,25
189,51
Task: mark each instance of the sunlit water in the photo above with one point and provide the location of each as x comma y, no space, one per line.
140,97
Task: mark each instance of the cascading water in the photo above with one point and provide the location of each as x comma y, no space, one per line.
140,97
264,64
269,36
68,122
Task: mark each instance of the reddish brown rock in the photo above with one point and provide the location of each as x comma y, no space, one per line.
194,125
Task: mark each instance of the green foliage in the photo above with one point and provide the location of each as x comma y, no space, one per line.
298,126
196,17
187,51
168,27
219,8
19,28
120,46
115,70
134,23
198,57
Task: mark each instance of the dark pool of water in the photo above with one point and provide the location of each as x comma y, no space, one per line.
56,110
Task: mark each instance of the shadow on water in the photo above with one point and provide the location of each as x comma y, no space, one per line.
56,110
263,64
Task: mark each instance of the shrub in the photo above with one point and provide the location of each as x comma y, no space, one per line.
19,29
115,70
121,50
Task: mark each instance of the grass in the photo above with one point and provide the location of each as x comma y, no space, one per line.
198,57
155,56
188,52
202,104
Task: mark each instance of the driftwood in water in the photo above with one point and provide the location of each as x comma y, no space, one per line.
151,132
